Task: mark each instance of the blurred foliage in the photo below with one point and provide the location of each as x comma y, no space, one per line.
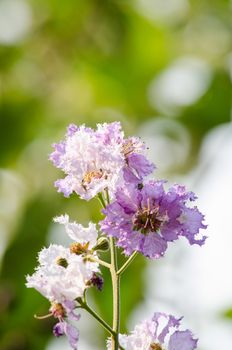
87,61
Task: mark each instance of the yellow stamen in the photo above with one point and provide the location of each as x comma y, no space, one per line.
155,346
91,175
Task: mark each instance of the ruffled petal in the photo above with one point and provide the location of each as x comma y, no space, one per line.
182,340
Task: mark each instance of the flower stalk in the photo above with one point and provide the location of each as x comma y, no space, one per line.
116,295
85,306
127,263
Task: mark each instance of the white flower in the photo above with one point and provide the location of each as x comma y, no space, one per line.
94,160
90,161
61,275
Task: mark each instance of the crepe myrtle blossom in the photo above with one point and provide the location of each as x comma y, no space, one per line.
94,160
145,218
159,333
61,275
65,313
90,165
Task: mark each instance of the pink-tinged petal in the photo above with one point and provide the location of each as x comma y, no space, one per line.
64,186
171,322
128,199
140,164
59,152
71,130
58,329
129,176
153,246
191,221
70,306
72,334
182,340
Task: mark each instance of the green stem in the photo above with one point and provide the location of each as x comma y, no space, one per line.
101,199
115,282
101,262
127,263
86,307
116,295
107,196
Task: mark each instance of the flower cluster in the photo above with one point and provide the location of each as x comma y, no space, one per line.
141,216
64,274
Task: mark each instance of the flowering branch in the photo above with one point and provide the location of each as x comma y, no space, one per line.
140,217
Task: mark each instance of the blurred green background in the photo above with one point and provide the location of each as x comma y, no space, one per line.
161,63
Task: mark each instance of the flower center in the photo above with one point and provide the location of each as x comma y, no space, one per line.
90,176
155,346
128,147
79,249
147,220
57,310
61,262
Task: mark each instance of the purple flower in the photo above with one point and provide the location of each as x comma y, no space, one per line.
159,333
145,218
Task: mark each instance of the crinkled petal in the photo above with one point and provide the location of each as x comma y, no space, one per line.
140,164
57,156
71,130
58,329
182,340
153,246
191,221
72,335
171,322
65,185
77,232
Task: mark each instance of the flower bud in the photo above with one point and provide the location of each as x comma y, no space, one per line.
79,300
102,244
96,281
